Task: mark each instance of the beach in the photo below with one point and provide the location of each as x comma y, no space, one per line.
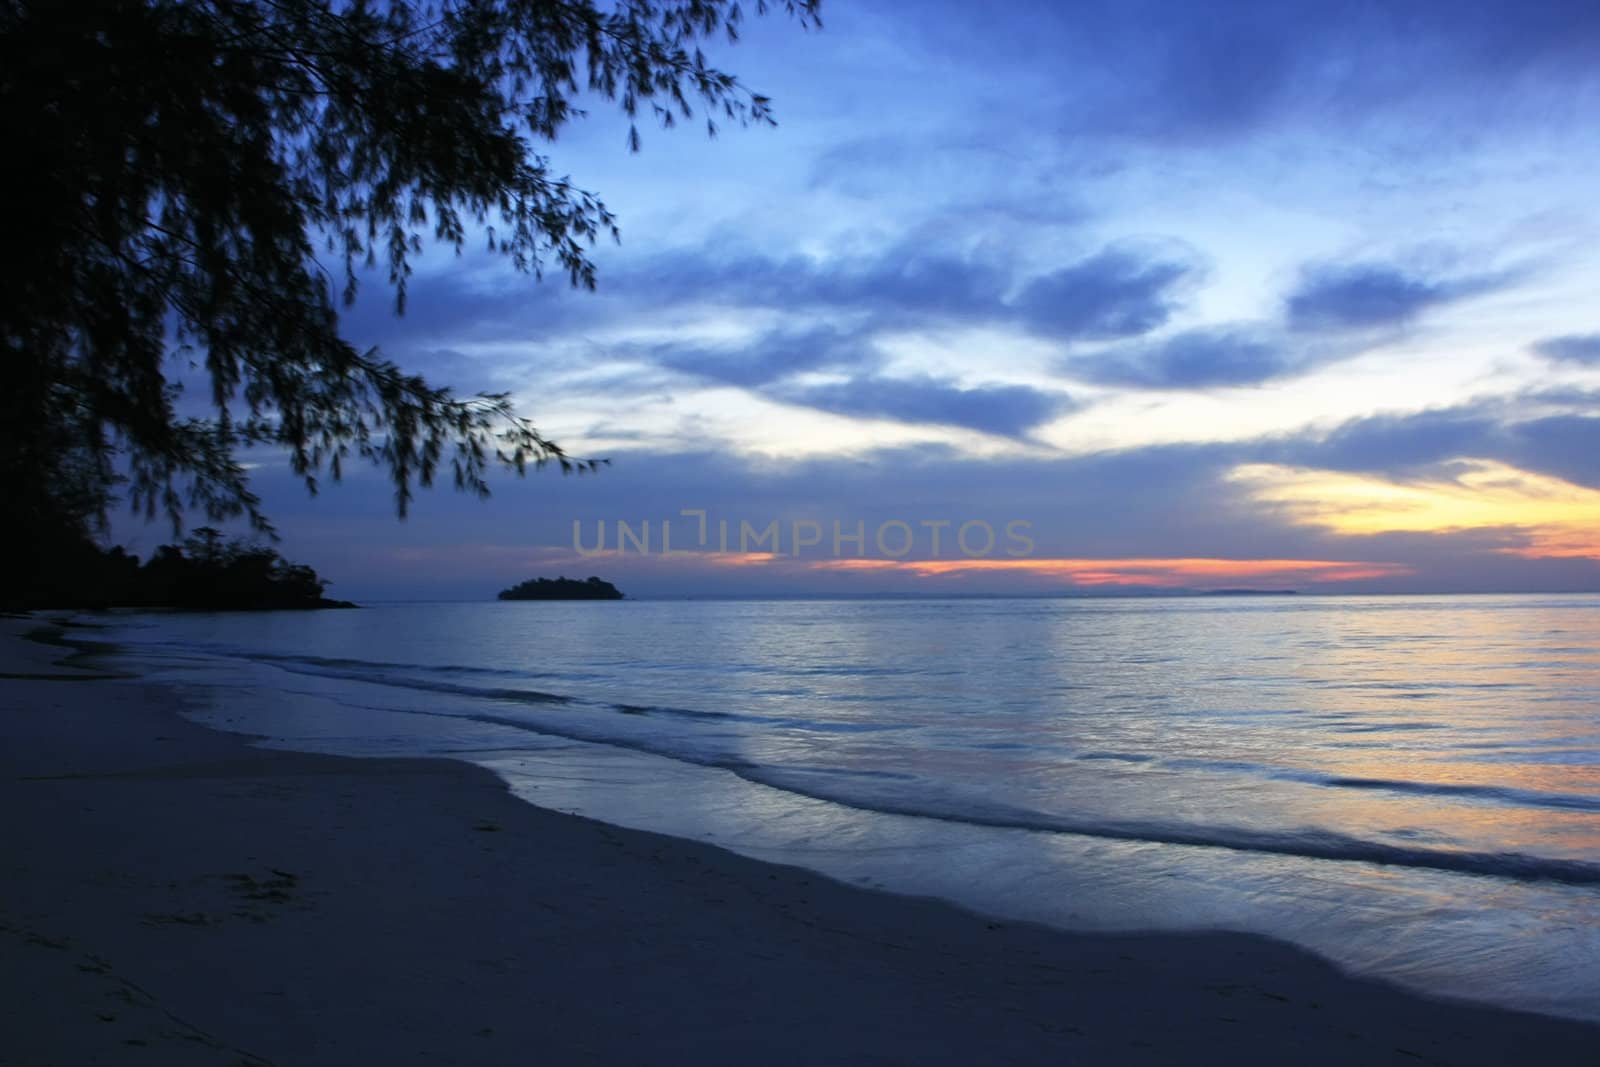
173,894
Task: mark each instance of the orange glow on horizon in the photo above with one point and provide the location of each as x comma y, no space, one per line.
1146,572
1138,571
737,559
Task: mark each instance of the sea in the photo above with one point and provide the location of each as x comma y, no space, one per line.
1408,786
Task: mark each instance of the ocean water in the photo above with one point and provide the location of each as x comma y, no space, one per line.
1409,786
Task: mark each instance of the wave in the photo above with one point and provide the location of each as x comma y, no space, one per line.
1522,798
1306,843
1505,794
338,662
790,722
375,671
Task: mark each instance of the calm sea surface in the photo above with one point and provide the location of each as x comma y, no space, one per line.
1407,785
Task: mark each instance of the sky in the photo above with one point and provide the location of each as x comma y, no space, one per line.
1081,296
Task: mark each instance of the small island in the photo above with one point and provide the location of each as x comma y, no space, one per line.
562,589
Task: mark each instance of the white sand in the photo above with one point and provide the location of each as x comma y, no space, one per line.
171,895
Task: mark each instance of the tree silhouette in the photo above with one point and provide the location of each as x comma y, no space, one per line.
180,169
203,574
562,588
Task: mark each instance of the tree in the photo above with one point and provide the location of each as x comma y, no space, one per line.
181,167
208,574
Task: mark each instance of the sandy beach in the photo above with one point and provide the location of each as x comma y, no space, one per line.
173,895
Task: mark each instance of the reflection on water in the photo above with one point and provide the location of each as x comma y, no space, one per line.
1411,785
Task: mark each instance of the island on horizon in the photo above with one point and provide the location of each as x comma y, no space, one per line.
562,588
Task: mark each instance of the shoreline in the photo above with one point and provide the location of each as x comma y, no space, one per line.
222,902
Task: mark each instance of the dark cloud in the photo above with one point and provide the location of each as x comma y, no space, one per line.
1565,396
1399,444
907,277
1371,295
1567,446
770,359
1195,359
1174,72
1564,446
1116,293
1007,410
1574,348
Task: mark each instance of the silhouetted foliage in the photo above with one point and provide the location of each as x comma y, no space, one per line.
177,167
203,574
562,588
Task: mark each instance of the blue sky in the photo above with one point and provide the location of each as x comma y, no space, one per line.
1294,295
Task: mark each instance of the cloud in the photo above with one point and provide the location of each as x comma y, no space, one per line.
1398,444
1419,444
1114,293
810,313
1183,73
1117,293
1195,359
769,365
910,279
1006,410
1371,295
769,359
1563,445
908,276
1574,348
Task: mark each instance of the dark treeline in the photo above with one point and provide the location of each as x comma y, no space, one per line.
562,589
203,574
